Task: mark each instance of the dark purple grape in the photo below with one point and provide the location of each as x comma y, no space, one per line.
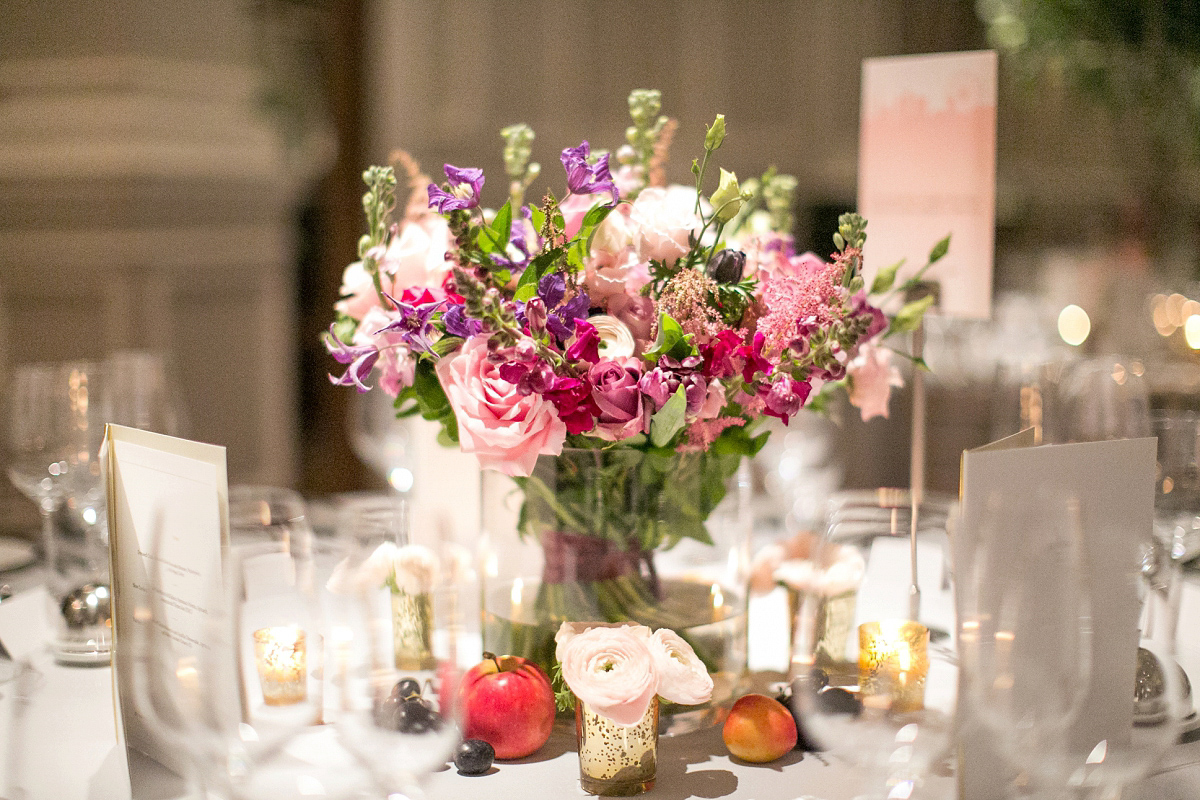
474,757
406,689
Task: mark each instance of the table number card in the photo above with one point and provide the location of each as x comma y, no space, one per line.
167,517
1114,485
927,167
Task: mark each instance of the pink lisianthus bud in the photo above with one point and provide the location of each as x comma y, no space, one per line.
535,314
872,377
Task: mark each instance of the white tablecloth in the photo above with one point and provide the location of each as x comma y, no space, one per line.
60,744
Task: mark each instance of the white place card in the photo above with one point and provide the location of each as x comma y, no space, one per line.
927,168
1114,485
168,526
23,622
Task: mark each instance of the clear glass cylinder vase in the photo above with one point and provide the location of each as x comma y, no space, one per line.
622,534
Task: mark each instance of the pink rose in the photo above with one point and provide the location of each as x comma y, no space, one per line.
612,670
612,254
358,292
417,256
664,218
615,391
638,314
682,676
872,377
505,430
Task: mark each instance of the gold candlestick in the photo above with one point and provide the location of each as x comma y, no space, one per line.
280,656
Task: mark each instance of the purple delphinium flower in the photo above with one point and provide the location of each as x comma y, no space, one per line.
360,358
413,324
465,184
457,323
562,321
585,178
551,288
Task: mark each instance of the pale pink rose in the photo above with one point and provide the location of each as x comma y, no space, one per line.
637,275
574,208
872,377
396,365
415,568
664,218
569,630
358,292
505,430
612,254
637,313
682,676
612,670
416,256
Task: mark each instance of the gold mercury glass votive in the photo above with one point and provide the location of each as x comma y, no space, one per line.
834,622
893,662
279,653
615,760
412,630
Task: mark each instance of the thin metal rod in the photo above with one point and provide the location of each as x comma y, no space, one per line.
916,465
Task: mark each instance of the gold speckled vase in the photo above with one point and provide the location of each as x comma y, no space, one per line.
412,630
615,760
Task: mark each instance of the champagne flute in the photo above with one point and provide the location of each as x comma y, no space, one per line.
1106,398
1024,634
394,647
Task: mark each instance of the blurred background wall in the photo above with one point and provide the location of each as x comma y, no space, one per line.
185,177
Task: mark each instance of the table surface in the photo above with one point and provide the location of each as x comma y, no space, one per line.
59,743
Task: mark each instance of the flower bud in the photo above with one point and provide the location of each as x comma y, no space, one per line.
525,350
727,199
715,134
726,266
535,314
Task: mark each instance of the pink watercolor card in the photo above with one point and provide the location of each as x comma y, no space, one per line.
927,168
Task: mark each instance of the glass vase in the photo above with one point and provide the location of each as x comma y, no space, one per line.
616,760
622,534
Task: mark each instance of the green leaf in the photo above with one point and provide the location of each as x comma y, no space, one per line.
527,285
671,341
886,277
446,345
501,226
940,249
595,215
910,316
667,421
537,217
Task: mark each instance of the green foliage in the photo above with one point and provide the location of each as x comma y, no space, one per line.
671,341
669,419
427,398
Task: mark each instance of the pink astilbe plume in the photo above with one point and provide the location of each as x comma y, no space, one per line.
813,295
703,432
685,300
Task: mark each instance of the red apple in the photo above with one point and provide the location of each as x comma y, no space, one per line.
508,703
759,729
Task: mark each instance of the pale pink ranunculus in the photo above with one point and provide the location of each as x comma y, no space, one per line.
505,430
612,671
638,314
664,218
416,256
872,377
569,630
682,676
415,568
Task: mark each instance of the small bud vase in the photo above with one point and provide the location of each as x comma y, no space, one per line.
616,760
412,630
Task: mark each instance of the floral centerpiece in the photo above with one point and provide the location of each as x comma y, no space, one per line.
612,349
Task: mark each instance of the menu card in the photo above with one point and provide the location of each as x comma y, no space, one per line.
927,168
168,530
1114,485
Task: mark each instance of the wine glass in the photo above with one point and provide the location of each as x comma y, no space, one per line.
56,419
1024,636
1161,691
384,442
1106,398
242,704
394,647
260,514
890,712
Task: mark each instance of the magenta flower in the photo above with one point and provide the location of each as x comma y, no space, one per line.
785,396
658,385
573,400
585,178
862,306
465,184
755,361
586,346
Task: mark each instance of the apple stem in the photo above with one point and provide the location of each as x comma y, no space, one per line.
495,660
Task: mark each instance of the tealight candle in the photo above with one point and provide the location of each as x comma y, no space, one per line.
279,653
893,661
